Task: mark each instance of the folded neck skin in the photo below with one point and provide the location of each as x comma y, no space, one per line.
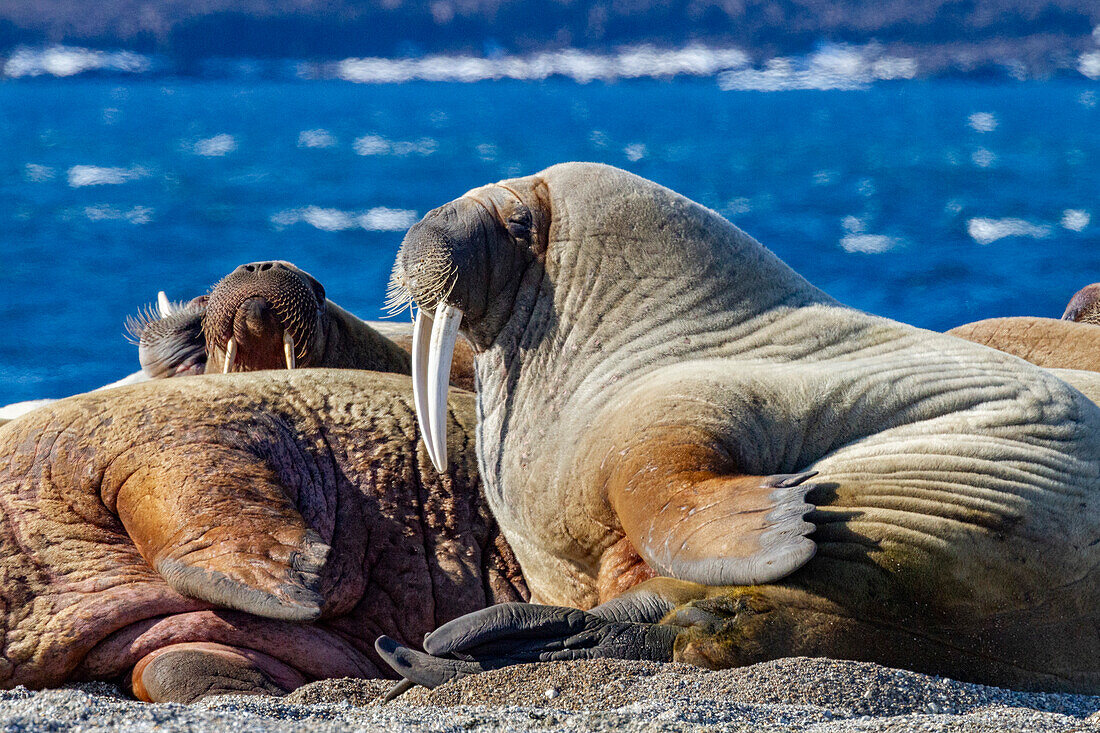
561,305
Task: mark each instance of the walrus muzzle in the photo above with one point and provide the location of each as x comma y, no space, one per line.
433,347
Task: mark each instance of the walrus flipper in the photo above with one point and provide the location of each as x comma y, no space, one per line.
514,633
711,525
217,525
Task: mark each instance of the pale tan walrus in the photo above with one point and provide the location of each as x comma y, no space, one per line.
661,395
1070,343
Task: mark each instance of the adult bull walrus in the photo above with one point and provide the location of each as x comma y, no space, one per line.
661,396
238,533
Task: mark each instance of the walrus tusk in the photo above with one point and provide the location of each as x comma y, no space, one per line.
230,356
288,351
422,329
436,379
164,306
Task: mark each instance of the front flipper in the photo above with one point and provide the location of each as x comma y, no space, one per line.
691,515
513,633
217,525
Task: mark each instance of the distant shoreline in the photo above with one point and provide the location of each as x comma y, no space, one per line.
1009,39
829,66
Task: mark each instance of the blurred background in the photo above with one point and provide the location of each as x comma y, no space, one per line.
935,161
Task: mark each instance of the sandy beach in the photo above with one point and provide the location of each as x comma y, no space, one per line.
789,694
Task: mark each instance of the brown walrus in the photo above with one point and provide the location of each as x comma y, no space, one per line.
272,315
1070,343
659,395
238,533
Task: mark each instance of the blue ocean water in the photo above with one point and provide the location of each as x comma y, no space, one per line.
932,202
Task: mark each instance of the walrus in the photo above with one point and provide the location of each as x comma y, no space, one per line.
1070,343
271,315
725,465
239,533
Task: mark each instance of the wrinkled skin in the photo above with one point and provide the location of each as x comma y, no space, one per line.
1070,343
239,533
1045,342
255,305
726,466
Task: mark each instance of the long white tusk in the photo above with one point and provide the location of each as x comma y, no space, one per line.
288,350
422,330
164,306
444,335
230,356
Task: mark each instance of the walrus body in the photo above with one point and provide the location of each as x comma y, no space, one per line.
662,396
239,533
1045,342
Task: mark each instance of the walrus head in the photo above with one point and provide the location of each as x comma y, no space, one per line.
256,301
465,260
1084,306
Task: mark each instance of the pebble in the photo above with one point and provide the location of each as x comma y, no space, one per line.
819,695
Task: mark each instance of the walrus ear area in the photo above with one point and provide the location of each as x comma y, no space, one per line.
691,517
218,526
520,223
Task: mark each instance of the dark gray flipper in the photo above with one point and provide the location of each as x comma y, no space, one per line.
514,633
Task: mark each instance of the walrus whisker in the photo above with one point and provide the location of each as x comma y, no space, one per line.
288,350
230,355
136,324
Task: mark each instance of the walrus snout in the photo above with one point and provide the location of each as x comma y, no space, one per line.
264,315
459,265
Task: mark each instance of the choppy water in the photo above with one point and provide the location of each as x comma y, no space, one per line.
933,202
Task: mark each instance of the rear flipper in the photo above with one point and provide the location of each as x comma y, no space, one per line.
217,524
185,673
716,628
513,633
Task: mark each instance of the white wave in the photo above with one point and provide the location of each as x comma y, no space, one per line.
36,173
378,145
319,138
214,147
986,231
868,243
835,67
1075,220
982,122
136,215
377,219
382,219
633,62
94,175
1089,64
635,152
71,60
983,158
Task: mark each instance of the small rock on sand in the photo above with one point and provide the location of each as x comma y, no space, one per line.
789,694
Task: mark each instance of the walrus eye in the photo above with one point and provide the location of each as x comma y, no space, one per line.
519,223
